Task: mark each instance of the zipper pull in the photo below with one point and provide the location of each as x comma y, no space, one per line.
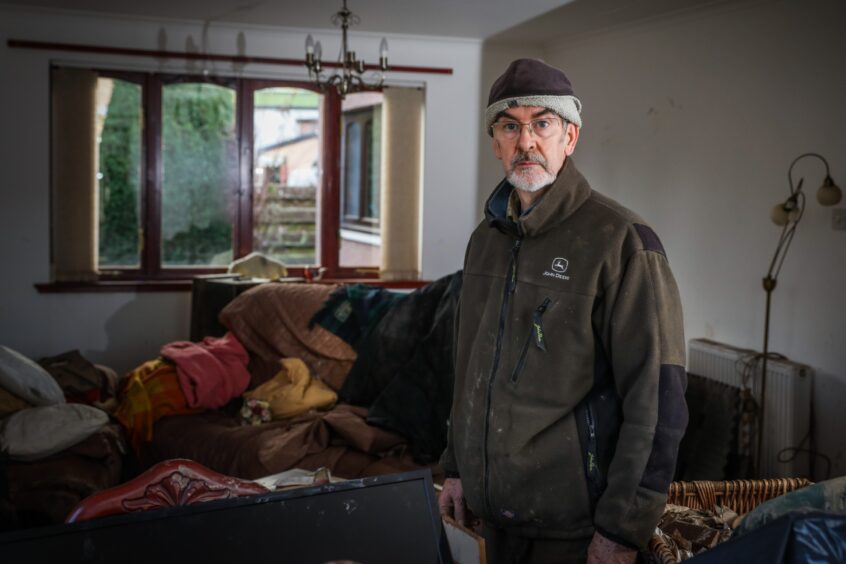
537,325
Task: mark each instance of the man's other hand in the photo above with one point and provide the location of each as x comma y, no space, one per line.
451,500
606,551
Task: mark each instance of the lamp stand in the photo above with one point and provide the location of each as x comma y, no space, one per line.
787,214
769,286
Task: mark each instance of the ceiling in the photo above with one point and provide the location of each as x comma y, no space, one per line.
518,21
451,18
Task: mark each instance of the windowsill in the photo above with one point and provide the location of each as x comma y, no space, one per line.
116,286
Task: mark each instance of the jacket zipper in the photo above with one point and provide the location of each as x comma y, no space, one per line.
592,461
510,285
536,335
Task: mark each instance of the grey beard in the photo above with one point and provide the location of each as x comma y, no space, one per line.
526,184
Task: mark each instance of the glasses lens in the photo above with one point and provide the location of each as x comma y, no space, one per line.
541,127
544,127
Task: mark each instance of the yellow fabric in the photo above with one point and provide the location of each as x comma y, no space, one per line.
293,391
10,403
149,393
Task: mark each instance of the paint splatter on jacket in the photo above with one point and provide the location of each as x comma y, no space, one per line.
569,394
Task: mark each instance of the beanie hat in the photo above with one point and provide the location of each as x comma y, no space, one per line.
531,82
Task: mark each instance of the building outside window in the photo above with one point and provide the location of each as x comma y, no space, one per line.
361,143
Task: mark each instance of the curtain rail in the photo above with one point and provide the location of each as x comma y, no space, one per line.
243,59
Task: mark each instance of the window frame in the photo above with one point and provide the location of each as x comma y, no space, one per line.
150,182
364,117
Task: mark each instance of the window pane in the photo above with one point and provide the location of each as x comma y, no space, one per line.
361,241
287,140
200,174
352,170
374,163
118,172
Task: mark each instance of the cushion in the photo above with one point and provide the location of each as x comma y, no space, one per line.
38,432
22,377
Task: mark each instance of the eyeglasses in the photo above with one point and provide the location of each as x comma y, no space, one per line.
543,128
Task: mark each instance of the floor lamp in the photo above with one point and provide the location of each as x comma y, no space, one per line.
787,214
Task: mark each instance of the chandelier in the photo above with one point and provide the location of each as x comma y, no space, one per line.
349,77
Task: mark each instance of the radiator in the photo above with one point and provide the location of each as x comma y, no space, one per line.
787,412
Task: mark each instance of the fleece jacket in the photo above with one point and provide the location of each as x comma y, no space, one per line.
568,402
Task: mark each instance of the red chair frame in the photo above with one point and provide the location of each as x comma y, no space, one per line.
167,484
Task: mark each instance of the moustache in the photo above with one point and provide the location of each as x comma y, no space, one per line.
533,157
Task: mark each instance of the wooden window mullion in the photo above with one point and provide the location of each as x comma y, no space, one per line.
330,191
243,225
151,208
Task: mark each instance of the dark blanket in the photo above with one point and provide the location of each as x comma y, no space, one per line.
404,370
351,311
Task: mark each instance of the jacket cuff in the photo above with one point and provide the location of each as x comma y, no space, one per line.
632,526
617,539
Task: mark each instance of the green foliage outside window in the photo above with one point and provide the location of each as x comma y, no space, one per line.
120,161
199,152
200,170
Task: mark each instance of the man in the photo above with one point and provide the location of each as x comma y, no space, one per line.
569,371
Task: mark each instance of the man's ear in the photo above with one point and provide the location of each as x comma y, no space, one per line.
497,149
571,137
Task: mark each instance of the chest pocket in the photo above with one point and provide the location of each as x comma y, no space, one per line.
536,336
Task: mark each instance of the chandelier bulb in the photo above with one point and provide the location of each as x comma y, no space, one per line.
318,50
383,49
309,45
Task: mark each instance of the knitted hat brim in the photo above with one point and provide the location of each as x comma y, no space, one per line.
568,107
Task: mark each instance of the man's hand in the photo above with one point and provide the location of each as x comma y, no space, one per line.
451,500
605,551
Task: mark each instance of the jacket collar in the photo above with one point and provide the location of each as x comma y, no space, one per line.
569,191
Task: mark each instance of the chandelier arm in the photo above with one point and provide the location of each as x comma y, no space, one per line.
349,76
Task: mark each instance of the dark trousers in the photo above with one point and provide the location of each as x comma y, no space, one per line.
502,547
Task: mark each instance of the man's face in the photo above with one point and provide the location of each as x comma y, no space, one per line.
531,162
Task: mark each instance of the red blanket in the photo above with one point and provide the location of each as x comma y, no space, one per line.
211,372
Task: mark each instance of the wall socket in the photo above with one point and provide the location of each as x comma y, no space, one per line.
838,219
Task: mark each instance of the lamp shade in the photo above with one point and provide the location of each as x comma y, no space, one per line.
779,214
829,193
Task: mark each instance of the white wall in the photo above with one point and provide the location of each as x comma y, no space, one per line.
692,121
124,329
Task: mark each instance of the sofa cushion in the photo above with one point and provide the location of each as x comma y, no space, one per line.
24,378
38,432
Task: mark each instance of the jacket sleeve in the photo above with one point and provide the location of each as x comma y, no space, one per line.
447,460
643,334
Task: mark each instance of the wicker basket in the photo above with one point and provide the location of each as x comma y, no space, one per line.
739,495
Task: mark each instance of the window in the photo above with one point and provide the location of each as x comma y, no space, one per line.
286,175
190,172
361,180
